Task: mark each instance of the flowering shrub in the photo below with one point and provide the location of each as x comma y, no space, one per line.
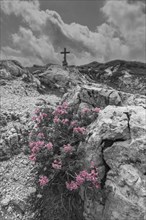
83,177
54,143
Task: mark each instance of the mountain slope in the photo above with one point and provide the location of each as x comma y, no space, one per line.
121,75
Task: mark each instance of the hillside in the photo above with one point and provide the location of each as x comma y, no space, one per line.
121,75
115,141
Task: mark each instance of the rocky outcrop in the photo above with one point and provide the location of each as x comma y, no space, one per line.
119,74
57,77
15,128
116,143
11,68
101,96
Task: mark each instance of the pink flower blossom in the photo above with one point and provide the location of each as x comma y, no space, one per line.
97,110
72,185
67,148
36,126
62,112
49,146
38,144
43,180
65,121
44,115
85,110
83,173
92,176
41,135
74,123
56,112
65,105
32,157
57,164
38,119
92,165
35,149
56,120
80,130
32,144
82,177
61,109
97,185
80,180
37,110
34,118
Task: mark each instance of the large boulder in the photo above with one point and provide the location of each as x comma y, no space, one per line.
54,76
116,143
64,79
11,68
101,96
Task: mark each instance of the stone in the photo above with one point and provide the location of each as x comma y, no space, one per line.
6,201
19,205
11,68
13,139
2,82
32,190
116,143
96,95
3,120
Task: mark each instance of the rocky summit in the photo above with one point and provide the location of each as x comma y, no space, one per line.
115,140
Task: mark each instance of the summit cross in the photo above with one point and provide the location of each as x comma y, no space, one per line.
64,62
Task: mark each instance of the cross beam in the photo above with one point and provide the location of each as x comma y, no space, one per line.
64,62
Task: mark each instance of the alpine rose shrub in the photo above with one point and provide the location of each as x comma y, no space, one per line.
54,143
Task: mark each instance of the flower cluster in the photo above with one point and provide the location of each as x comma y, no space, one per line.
61,109
40,117
67,148
49,146
80,130
57,164
43,180
35,147
87,110
54,143
83,177
97,110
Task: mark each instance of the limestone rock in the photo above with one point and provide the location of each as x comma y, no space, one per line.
10,69
54,76
116,141
101,96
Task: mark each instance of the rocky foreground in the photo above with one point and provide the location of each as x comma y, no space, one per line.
115,141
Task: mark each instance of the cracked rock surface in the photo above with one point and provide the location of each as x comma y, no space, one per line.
117,145
101,96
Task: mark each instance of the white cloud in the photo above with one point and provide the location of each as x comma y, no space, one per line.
122,36
129,21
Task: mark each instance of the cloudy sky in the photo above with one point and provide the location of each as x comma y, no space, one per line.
35,31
